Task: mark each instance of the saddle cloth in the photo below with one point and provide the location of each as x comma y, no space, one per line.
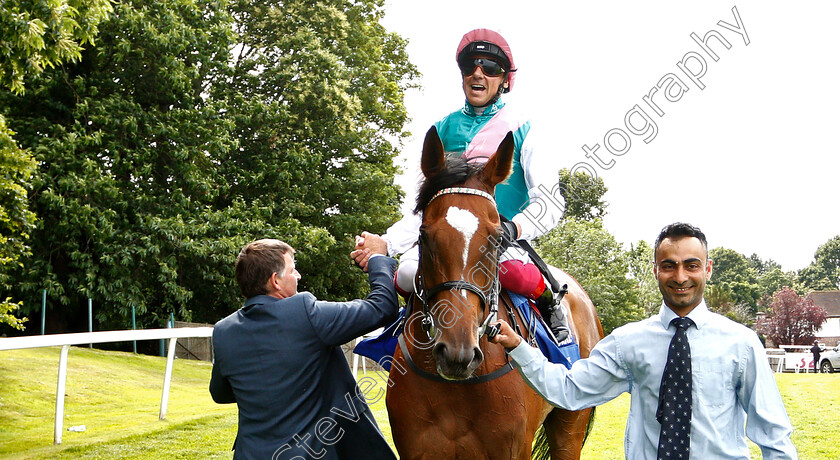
381,348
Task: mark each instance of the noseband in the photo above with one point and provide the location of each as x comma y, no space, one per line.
490,298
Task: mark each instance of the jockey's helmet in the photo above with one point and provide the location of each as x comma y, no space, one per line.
488,42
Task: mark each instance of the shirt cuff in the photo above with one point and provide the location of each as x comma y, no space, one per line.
521,355
375,255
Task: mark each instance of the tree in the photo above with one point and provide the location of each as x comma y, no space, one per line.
734,272
591,255
772,281
127,144
824,272
317,90
39,34
584,195
761,266
16,220
160,159
719,300
791,319
640,261
35,35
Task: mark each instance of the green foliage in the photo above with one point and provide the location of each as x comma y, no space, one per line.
40,34
127,179
584,195
719,300
160,159
734,272
640,261
34,35
16,220
824,272
772,281
590,254
762,267
317,94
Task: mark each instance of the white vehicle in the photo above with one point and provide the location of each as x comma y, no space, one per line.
830,360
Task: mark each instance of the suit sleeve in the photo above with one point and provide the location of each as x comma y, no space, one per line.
220,388
337,323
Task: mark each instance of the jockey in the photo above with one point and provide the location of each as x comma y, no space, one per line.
528,199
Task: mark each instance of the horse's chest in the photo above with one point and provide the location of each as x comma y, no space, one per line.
458,422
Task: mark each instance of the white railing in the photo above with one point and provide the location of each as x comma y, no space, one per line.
65,340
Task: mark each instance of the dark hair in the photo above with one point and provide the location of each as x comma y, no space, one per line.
256,263
455,171
680,229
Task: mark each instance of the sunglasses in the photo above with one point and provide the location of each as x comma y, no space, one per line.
490,68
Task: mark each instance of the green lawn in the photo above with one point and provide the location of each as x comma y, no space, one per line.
117,397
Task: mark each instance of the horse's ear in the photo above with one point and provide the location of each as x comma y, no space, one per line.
498,168
433,160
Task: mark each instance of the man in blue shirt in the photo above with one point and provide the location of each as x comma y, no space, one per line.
732,389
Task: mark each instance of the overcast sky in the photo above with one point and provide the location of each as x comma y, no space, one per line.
751,158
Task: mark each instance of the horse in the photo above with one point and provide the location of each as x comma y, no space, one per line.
451,392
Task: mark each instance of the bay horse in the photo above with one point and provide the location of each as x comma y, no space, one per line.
452,394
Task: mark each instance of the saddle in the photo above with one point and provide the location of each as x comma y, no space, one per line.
381,348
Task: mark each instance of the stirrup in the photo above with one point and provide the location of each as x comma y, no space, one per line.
549,304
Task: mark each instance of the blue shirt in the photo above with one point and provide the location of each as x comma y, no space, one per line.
732,385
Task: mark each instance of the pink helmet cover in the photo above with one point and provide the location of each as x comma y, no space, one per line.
490,36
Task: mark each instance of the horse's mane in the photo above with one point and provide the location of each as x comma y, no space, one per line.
455,171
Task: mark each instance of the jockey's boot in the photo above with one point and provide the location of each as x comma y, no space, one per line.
548,303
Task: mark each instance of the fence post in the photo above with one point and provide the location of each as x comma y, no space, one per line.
167,377
90,318
43,310
163,342
133,327
59,394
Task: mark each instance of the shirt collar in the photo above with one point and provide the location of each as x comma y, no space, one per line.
489,110
700,315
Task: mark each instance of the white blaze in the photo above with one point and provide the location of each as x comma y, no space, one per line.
465,222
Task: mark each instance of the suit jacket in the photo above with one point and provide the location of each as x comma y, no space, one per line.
280,360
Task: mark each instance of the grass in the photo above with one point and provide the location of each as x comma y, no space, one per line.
117,397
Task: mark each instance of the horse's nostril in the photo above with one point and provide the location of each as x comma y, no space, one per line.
440,352
478,357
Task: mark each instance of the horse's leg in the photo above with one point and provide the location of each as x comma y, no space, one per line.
566,431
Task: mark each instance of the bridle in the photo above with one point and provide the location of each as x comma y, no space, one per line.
487,299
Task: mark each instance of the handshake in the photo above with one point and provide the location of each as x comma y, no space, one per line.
368,244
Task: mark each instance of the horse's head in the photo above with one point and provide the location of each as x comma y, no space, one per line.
459,241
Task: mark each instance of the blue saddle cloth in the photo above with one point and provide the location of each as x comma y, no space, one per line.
381,348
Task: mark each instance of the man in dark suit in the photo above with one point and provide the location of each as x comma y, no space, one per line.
279,358
816,350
